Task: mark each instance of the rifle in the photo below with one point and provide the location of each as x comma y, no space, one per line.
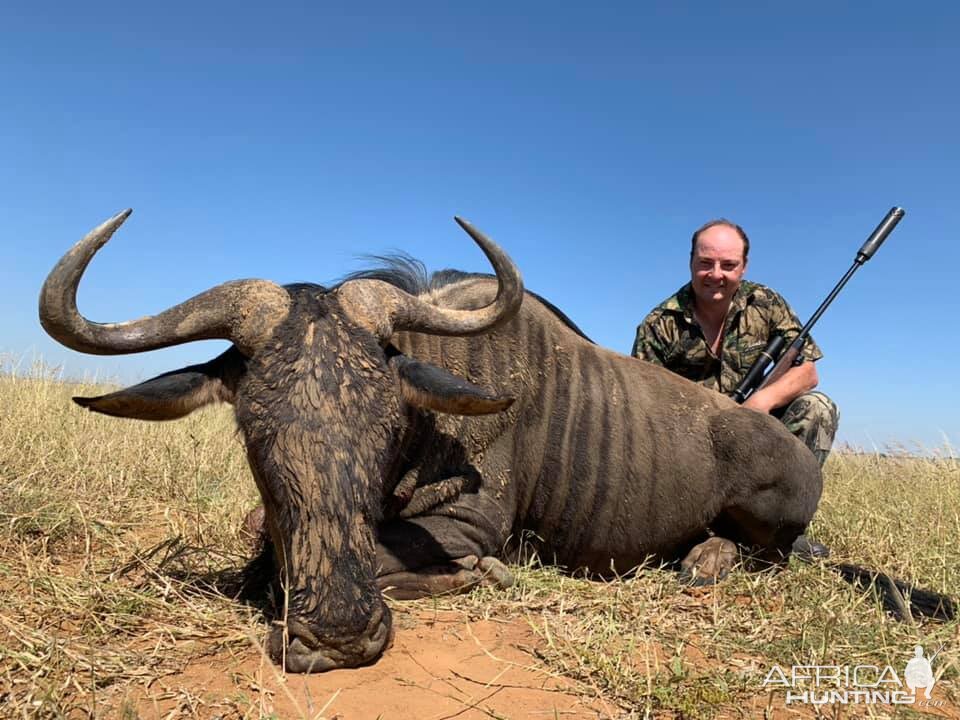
782,360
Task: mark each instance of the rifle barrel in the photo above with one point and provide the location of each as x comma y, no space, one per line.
866,252
755,376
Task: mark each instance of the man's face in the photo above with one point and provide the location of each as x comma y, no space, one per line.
717,266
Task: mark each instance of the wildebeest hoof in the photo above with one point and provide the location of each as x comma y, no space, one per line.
495,573
459,575
808,550
432,581
467,562
709,562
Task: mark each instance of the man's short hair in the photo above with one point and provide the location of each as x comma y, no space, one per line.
721,221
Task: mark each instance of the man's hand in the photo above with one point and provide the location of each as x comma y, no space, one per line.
787,388
760,401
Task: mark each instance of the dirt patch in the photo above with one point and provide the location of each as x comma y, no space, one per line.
441,665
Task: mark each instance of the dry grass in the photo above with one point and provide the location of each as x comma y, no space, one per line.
117,537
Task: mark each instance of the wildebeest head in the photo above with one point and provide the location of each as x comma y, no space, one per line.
321,401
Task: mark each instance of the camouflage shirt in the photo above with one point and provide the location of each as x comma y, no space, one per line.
670,336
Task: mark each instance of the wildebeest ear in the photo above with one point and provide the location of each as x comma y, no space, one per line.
171,395
430,387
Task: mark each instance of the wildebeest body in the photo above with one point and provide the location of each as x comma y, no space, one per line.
603,460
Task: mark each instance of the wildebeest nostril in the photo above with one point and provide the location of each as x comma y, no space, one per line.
301,659
305,652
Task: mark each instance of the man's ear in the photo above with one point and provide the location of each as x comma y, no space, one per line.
171,395
430,387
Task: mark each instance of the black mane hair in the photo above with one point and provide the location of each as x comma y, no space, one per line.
411,276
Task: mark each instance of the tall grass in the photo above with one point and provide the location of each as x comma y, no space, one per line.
112,531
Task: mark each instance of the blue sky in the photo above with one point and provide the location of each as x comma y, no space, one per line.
283,141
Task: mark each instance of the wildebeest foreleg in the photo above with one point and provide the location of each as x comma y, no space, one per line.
455,577
438,554
427,497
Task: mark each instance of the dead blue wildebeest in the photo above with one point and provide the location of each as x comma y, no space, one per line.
401,430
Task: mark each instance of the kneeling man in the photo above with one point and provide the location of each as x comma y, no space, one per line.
714,327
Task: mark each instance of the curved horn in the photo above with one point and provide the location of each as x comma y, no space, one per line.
243,311
387,309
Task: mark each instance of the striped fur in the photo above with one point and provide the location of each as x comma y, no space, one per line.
606,459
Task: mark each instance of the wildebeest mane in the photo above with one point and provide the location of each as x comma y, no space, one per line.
410,275
400,270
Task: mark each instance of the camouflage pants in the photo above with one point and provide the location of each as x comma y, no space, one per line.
812,417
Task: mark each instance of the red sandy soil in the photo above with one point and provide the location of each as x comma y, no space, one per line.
440,666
